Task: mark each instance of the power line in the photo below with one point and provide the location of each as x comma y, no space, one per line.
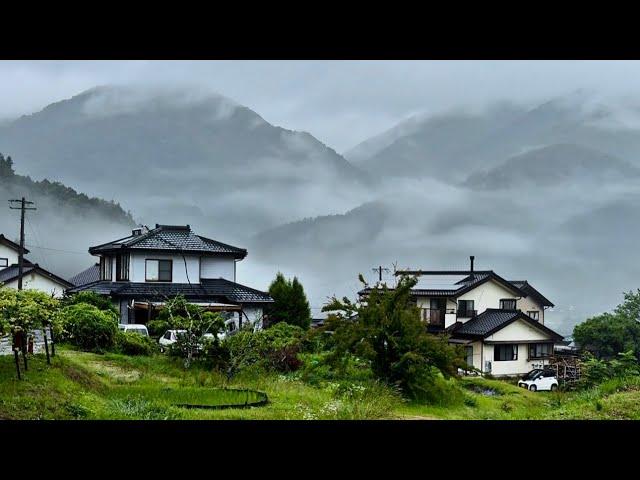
41,256
57,250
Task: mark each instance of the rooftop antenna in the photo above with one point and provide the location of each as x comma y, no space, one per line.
379,270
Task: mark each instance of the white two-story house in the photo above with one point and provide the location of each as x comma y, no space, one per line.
141,271
34,277
500,322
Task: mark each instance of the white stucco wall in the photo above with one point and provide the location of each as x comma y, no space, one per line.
10,254
487,295
518,332
218,267
254,314
137,267
527,304
36,281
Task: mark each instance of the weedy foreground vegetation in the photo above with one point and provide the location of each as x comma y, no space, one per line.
370,361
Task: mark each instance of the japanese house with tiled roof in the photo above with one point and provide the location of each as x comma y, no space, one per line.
500,322
141,271
34,277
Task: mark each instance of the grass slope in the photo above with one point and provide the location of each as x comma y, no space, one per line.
82,385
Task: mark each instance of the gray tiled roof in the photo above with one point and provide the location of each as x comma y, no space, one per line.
486,322
11,273
170,237
206,290
90,275
493,319
529,290
462,286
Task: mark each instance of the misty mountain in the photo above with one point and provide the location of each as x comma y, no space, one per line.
65,223
184,155
451,146
554,165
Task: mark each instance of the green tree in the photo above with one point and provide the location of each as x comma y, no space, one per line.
25,310
607,335
387,331
290,302
179,314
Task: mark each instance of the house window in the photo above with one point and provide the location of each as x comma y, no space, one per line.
122,267
540,350
4,262
105,268
534,314
505,352
468,355
465,308
158,270
507,304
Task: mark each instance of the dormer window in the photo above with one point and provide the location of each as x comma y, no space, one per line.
507,304
4,262
158,270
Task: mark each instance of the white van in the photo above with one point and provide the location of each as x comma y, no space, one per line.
135,328
539,379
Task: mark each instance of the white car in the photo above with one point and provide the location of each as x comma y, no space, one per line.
539,379
135,328
169,338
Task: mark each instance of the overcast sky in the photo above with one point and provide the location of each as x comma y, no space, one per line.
340,102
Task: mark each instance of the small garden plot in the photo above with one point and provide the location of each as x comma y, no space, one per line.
201,397
486,391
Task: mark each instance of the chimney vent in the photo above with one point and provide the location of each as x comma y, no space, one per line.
472,258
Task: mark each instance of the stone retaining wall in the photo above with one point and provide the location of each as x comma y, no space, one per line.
38,343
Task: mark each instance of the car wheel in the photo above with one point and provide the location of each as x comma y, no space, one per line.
533,388
554,387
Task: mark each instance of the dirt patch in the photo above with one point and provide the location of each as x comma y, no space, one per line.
114,372
81,377
418,417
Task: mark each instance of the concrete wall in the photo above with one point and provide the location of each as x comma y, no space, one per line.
10,254
36,281
137,267
218,267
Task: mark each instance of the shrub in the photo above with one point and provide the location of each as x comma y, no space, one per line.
88,327
318,367
130,343
275,348
92,298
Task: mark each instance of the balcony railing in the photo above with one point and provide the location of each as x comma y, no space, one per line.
435,316
466,313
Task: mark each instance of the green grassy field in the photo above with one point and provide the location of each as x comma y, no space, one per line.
82,385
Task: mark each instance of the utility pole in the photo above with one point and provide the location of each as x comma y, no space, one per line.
23,207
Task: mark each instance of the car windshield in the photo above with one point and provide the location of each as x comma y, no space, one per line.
532,375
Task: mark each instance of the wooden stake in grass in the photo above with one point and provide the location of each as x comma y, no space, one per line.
15,355
53,342
46,344
22,345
